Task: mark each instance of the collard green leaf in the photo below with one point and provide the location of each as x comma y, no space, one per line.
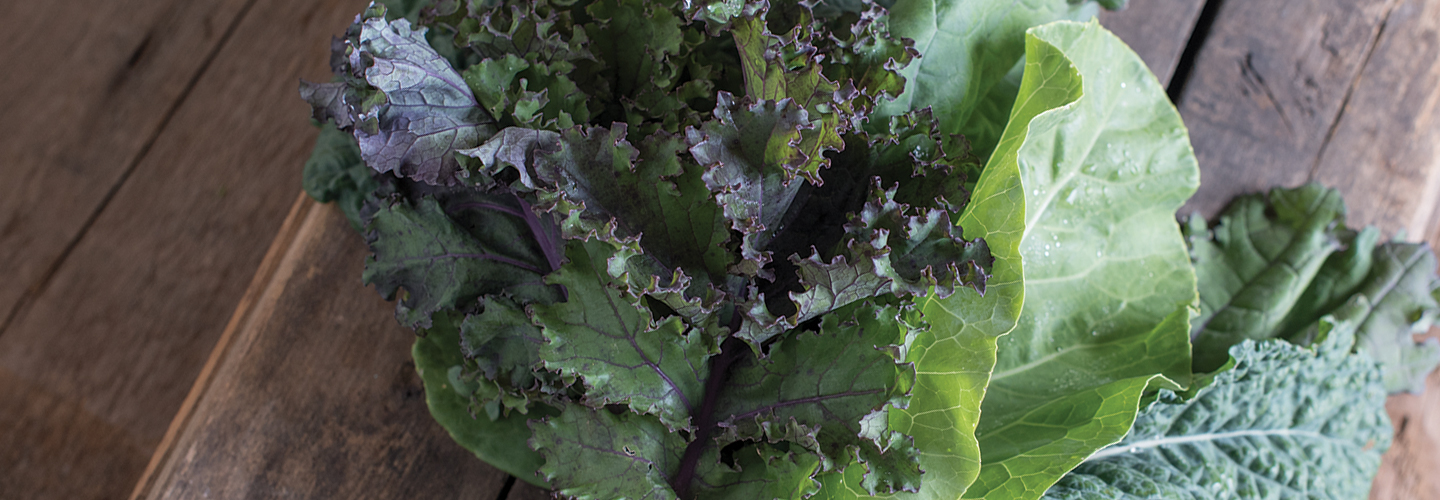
445,257
426,111
335,173
500,442
1319,432
1108,284
600,335
1264,255
966,48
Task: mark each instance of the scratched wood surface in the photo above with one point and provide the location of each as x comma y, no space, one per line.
147,189
150,155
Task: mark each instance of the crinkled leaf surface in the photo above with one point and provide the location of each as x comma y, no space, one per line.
1273,265
814,390
1259,264
1108,282
613,190
499,442
761,472
598,455
447,256
953,357
1280,422
599,334
1399,302
428,111
966,48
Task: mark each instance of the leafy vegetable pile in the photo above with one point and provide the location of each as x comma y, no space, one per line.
735,249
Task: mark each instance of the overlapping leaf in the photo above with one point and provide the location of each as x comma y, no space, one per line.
1276,264
446,257
1319,433
1258,265
600,335
424,109
966,48
1108,282
815,389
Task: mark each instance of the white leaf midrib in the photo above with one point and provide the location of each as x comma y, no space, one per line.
1123,448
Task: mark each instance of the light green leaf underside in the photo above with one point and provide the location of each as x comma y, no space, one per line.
966,48
1108,283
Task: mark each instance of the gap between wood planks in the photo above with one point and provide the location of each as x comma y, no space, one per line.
36,288
1350,89
1175,88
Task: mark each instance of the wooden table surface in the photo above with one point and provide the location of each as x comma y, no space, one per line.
151,151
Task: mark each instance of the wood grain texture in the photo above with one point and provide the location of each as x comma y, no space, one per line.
527,491
88,84
119,333
1157,30
1266,88
1385,147
1409,469
243,318
317,396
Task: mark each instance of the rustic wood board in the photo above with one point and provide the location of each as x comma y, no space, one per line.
89,84
1385,146
106,350
314,394
1158,30
1267,86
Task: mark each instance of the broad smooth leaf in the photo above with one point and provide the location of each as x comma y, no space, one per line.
1318,434
966,48
1108,282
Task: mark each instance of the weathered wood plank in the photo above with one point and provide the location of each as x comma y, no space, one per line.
316,396
1266,88
1157,30
88,84
527,491
1385,147
1408,470
124,326
246,312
